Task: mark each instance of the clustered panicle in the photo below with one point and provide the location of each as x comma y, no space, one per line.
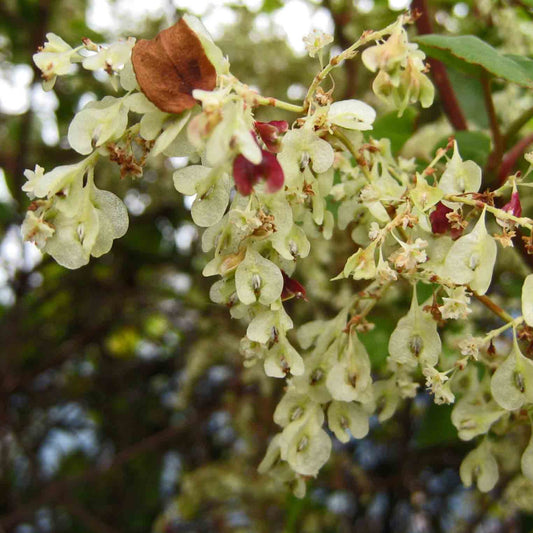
263,192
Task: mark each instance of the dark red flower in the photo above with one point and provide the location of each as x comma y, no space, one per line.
246,174
513,206
440,223
292,288
269,133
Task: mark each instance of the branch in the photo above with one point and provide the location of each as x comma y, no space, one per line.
53,491
440,76
91,522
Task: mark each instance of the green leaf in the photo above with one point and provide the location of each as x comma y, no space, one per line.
474,145
271,5
467,52
525,62
397,129
469,92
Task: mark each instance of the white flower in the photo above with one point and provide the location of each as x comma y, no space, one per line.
43,185
36,230
374,231
112,58
411,254
437,383
456,306
471,346
34,178
316,40
54,59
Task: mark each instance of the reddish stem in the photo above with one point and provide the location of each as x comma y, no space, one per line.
510,158
440,76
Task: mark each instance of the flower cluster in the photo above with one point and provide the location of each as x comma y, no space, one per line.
400,67
267,195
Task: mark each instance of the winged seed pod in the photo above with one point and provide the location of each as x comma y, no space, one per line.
476,411
349,377
460,176
527,300
304,444
527,460
480,466
347,416
415,339
512,383
212,190
472,257
258,279
98,123
283,359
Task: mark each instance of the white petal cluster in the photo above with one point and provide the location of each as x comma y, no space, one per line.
316,40
400,66
54,59
112,58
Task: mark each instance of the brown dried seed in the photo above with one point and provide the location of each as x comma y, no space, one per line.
172,64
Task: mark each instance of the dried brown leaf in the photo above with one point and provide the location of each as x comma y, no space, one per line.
172,64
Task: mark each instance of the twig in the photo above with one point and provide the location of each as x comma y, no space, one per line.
91,522
57,489
495,308
440,76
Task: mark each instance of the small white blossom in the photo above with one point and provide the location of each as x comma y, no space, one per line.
437,383
316,40
112,58
471,346
36,230
456,306
411,254
374,231
34,177
54,59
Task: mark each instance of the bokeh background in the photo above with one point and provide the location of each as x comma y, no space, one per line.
124,405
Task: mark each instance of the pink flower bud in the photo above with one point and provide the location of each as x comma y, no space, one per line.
292,288
513,206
